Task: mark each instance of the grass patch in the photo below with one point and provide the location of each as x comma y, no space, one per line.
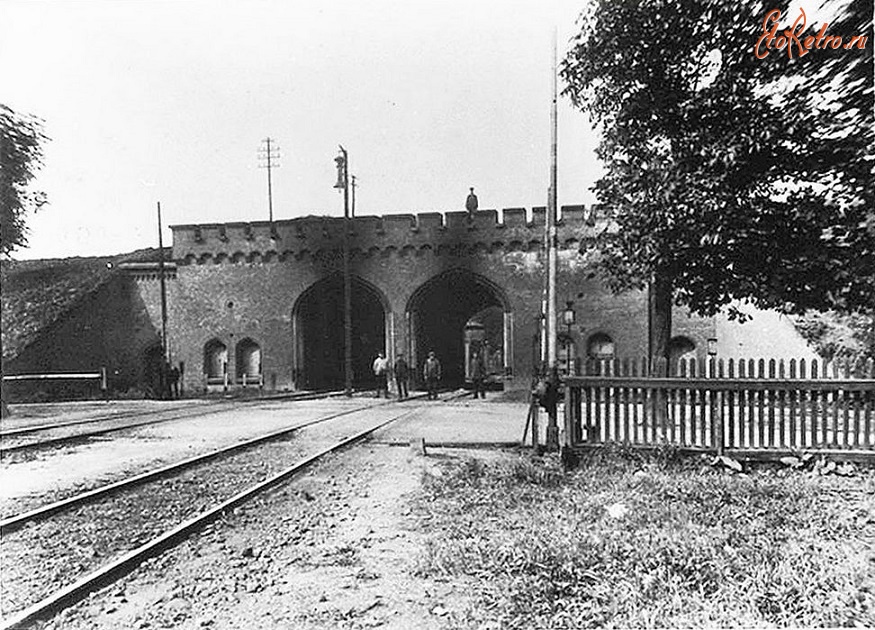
630,541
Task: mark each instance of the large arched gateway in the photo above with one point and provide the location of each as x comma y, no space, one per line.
453,313
319,334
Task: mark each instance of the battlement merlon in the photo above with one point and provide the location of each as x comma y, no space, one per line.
312,233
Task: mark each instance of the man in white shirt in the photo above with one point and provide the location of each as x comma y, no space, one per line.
381,367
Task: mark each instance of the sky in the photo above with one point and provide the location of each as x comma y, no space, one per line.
169,101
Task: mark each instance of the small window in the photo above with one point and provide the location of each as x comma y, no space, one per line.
215,359
600,346
248,359
681,348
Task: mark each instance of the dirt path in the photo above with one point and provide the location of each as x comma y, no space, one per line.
335,549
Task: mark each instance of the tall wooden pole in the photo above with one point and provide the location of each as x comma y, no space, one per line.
269,188
353,184
552,436
347,281
163,287
270,154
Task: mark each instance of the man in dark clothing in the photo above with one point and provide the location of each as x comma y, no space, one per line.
174,382
478,374
471,202
166,392
431,374
402,373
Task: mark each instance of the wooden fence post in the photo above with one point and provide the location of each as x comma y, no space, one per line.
660,400
571,407
717,410
104,386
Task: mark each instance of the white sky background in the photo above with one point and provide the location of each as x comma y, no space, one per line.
168,101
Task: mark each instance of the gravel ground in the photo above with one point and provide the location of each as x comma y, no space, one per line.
41,557
334,548
36,414
62,472
86,431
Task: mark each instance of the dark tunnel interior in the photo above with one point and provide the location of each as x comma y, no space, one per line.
440,310
320,317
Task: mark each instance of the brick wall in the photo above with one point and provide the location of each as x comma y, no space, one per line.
242,280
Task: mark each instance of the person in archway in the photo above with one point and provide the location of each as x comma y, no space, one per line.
174,382
471,202
381,367
166,388
478,374
431,374
402,375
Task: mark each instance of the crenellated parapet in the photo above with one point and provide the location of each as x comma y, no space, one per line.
452,232
149,270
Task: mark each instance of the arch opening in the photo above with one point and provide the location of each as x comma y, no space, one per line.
215,360
320,338
681,349
452,315
600,346
248,362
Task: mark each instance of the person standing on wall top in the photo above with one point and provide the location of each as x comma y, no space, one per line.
431,374
471,202
478,374
381,366
402,373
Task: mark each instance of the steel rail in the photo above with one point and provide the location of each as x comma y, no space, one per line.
133,414
116,569
4,450
13,522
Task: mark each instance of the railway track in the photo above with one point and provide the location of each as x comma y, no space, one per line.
11,523
163,415
153,512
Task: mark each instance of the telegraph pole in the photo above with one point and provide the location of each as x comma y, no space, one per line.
552,437
162,370
269,154
343,183
354,185
163,287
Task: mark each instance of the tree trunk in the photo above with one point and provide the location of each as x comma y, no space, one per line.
659,296
659,302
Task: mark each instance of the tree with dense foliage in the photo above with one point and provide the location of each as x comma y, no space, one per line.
21,140
730,177
844,337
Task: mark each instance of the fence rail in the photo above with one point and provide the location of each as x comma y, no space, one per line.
61,376
723,405
226,381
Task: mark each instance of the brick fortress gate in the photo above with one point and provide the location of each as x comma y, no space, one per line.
262,303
